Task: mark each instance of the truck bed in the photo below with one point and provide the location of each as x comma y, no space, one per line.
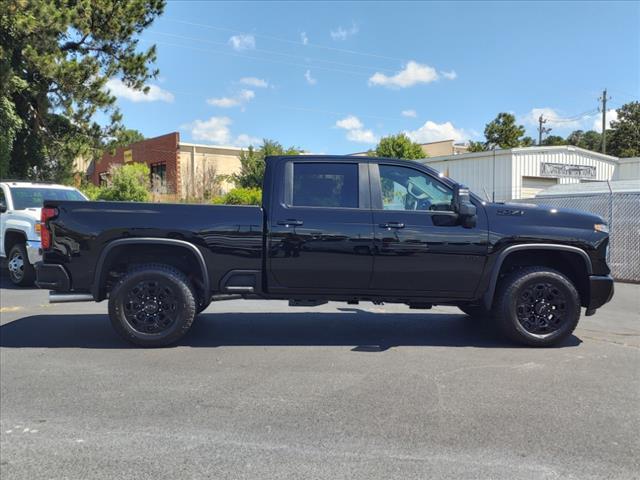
229,237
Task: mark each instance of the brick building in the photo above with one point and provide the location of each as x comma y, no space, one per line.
186,170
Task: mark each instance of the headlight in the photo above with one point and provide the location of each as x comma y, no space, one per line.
601,227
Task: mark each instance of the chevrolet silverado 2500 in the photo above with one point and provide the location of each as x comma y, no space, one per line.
331,229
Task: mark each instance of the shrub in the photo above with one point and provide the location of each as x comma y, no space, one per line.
240,196
91,191
129,183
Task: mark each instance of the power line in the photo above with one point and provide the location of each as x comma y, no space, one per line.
273,52
240,55
286,40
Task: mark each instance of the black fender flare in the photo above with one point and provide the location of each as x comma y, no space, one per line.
491,290
97,279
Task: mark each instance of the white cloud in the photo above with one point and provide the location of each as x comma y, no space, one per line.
612,115
155,93
343,33
254,82
409,113
243,42
452,75
349,123
412,74
355,130
432,132
303,38
554,119
242,97
244,140
216,130
309,78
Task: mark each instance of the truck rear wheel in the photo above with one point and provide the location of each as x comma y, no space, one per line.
152,306
21,272
537,306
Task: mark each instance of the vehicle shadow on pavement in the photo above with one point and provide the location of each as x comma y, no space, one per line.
364,331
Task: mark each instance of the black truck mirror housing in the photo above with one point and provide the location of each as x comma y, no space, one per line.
466,210
3,207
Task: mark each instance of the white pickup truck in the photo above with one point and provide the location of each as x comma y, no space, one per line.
20,207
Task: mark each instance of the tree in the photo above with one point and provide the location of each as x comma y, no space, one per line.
252,163
623,140
398,146
124,137
527,142
502,132
589,140
476,146
55,61
128,183
553,140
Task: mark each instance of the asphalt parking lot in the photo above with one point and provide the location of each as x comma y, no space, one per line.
260,390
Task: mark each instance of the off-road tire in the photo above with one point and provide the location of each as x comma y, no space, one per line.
27,274
509,292
183,313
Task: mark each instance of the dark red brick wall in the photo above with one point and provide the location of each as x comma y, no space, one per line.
162,149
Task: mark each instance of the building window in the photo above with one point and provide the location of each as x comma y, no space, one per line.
159,178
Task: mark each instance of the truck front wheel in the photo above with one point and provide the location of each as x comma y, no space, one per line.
152,306
537,306
21,272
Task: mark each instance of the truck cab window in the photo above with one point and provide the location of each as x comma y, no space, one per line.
325,185
408,189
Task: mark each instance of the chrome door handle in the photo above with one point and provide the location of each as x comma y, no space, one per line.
392,225
290,223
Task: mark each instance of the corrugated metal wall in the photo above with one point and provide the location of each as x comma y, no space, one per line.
477,172
527,163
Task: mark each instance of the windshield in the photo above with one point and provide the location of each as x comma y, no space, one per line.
33,197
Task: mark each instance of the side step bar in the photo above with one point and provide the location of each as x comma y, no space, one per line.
55,297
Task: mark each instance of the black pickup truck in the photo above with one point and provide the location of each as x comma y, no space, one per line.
331,228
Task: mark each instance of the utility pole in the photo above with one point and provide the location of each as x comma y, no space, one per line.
604,99
542,130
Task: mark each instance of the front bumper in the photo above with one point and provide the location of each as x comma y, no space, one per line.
52,276
33,251
600,292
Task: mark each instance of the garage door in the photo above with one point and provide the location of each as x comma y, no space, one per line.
532,185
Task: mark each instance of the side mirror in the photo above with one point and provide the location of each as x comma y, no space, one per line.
3,207
466,210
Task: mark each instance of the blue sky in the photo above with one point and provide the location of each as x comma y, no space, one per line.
335,77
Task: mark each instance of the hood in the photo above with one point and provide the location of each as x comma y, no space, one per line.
29,212
541,216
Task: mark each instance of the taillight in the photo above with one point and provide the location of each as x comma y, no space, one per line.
45,233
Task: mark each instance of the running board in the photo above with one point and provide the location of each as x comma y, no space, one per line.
55,297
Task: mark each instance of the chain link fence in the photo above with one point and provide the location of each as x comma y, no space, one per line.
621,211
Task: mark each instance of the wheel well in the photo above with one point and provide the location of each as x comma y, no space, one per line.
122,259
11,238
570,264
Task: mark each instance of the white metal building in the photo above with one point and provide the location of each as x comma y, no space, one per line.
523,172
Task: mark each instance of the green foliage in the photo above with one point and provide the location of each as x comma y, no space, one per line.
128,183
55,60
553,140
502,132
476,146
123,138
623,140
590,140
252,163
398,146
527,142
240,196
90,190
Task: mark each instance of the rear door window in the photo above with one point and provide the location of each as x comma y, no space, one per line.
325,185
